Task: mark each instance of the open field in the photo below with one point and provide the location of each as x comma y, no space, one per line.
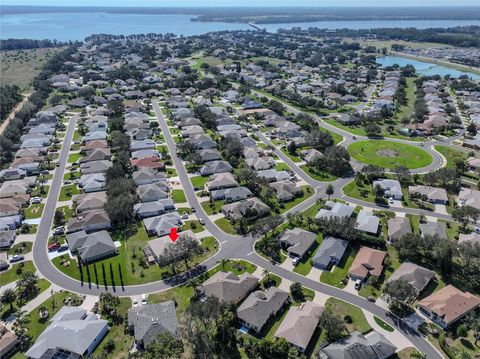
389,154
19,67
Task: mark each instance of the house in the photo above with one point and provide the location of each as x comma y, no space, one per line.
367,222
148,321
156,247
416,275
8,342
89,201
9,207
90,221
142,145
7,238
469,197
367,262
472,238
228,287
93,182
231,194
433,229
299,324
330,252
11,222
221,180
14,188
73,331
447,305
97,155
398,227
203,141
286,190
392,188
148,176
273,175
260,306
9,174
153,163
215,167
162,225
311,155
357,345
95,167
297,241
249,208
260,163
152,192
334,209
209,155
91,247
347,119
94,136
155,208
434,194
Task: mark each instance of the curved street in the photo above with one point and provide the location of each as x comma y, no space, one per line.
230,247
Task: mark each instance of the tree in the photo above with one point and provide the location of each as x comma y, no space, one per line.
465,215
223,262
333,325
399,292
165,346
9,297
329,190
27,285
296,291
373,130
472,129
403,174
59,218
20,327
378,191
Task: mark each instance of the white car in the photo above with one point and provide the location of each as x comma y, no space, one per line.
295,261
144,299
36,200
135,302
185,216
358,284
202,222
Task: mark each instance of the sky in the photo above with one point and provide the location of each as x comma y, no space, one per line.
277,3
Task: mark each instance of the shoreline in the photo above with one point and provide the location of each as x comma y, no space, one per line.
452,65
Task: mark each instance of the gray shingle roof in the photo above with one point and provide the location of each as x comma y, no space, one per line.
228,287
331,247
297,240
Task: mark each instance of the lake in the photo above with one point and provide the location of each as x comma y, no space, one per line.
425,68
77,26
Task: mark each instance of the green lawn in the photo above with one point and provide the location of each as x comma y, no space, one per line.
394,154
383,324
127,266
292,157
451,154
34,211
20,248
67,192
67,211
178,196
407,110
212,207
363,193
74,157
171,172
319,176
39,192
199,181
339,272
341,308
194,226
71,175
282,166
305,265
15,271
307,193
225,225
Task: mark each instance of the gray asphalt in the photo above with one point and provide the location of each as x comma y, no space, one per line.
230,246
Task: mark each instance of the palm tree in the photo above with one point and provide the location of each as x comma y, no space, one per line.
266,274
8,296
223,262
330,190
20,325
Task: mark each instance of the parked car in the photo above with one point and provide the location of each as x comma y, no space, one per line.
135,302
295,261
185,216
144,299
16,258
202,222
67,182
59,231
57,164
35,200
358,284
53,247
63,248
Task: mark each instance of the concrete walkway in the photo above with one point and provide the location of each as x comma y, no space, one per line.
314,274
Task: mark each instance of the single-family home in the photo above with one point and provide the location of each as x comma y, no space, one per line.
434,194
367,262
311,155
220,181
286,190
412,273
91,247
392,188
273,175
473,238
89,222
469,197
329,253
299,324
448,305
433,229
367,222
148,321
209,155
398,227
89,201
297,241
155,208
7,237
72,330
162,225
249,208
334,209
231,194
152,192
94,182
260,306
8,342
95,167
215,167
228,287
148,176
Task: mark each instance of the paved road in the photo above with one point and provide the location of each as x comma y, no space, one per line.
230,246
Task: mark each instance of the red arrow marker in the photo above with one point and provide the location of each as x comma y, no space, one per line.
173,234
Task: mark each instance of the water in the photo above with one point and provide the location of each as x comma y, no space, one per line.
77,26
425,68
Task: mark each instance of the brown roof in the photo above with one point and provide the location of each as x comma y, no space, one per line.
91,145
450,303
150,162
368,261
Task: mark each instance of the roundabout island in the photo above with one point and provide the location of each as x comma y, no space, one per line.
389,154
